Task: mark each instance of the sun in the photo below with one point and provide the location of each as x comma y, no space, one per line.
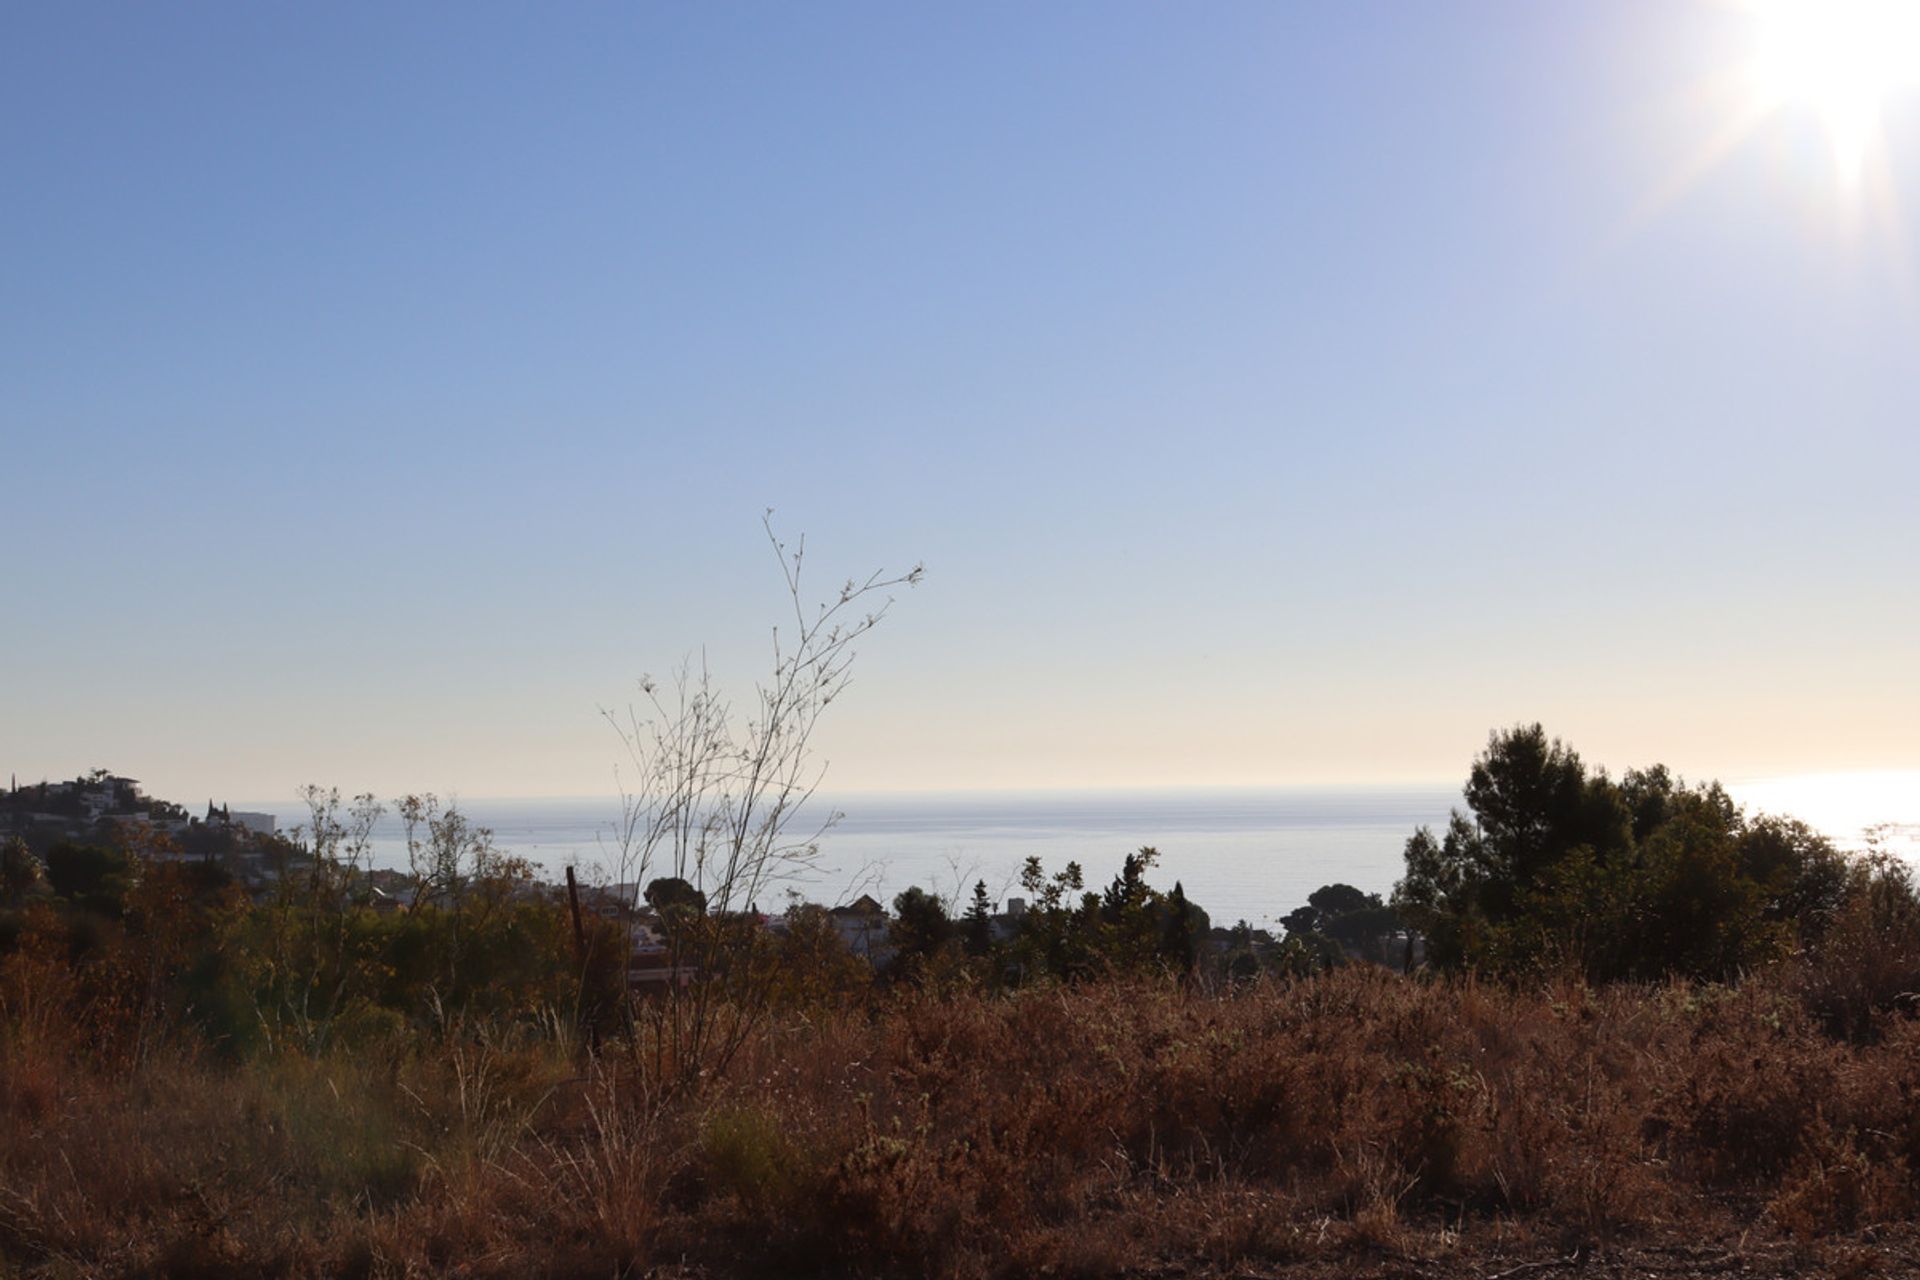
1842,60
1848,68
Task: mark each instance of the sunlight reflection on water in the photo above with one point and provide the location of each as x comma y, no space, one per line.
1852,808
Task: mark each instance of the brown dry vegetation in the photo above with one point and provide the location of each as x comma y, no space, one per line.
1353,1120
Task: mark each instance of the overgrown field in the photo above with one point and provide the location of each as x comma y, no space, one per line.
1350,1119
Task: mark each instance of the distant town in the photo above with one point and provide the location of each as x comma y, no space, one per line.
102,804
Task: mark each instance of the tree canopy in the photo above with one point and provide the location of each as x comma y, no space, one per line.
1557,866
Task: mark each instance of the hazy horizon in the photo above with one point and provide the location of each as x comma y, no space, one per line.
1257,851
1842,805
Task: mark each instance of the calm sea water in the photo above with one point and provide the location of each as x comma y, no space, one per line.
1241,854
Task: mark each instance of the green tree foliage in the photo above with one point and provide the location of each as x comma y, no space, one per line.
1340,899
921,929
976,926
670,892
1070,933
1054,932
681,908
1556,866
89,876
813,967
1183,927
20,871
1865,964
1339,921
1804,880
148,942
1129,912
1246,948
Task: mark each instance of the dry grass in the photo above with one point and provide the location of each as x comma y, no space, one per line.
1085,1131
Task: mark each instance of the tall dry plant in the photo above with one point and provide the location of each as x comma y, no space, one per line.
715,799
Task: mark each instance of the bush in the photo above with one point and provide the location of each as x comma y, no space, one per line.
1865,964
1114,1125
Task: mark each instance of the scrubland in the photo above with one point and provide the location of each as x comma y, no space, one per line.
1351,1121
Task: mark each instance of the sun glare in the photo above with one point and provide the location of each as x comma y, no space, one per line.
1839,59
1848,69
1850,807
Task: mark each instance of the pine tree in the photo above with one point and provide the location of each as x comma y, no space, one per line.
977,924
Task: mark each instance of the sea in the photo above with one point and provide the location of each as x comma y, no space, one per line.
1241,854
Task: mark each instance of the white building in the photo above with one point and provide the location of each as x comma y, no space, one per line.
261,824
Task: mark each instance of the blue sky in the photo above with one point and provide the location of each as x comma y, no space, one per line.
1275,393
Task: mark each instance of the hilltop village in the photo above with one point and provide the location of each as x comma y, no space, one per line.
104,806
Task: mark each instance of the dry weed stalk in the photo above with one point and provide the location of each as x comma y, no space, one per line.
714,800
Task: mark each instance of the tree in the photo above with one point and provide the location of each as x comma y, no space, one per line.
715,798
976,926
1559,867
90,876
1307,948
1366,930
1183,926
1533,805
20,870
1339,899
813,966
1129,927
1245,944
1803,878
1130,910
670,893
921,929
445,851
1340,919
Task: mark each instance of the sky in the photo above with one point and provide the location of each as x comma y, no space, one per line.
1274,394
